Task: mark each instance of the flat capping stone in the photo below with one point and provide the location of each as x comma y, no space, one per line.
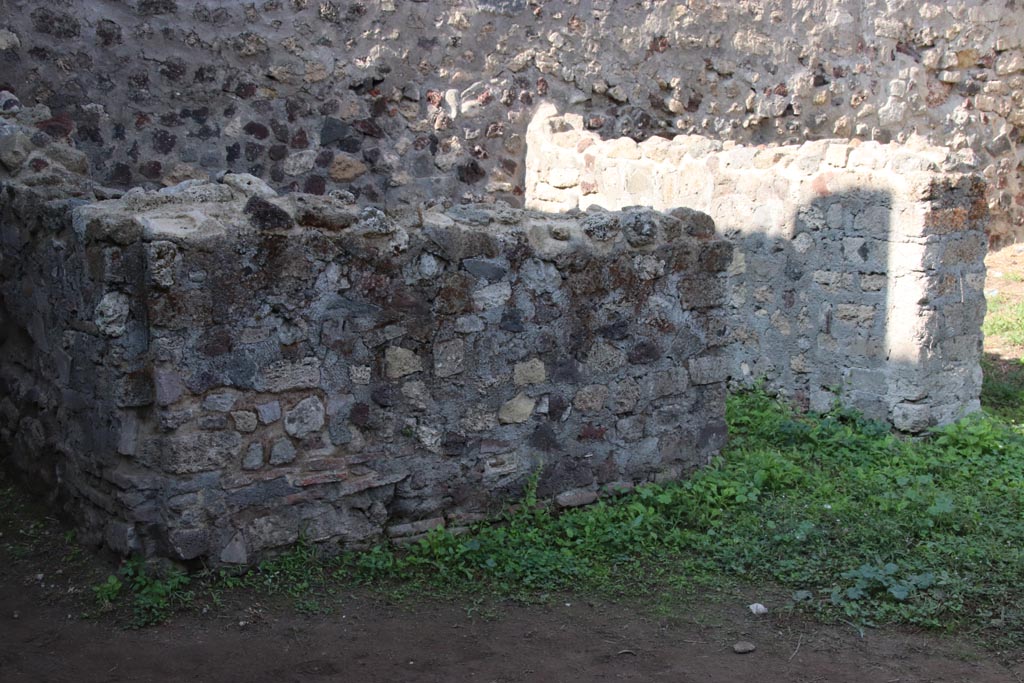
196,212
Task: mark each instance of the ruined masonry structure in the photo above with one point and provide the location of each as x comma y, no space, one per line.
385,259
211,370
858,272
404,101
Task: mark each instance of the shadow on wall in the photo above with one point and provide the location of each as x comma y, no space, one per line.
866,304
858,268
810,310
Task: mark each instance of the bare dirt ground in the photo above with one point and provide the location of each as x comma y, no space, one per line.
440,643
365,639
49,630
1005,280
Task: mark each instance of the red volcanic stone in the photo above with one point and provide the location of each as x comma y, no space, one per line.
151,169
257,130
164,141
315,184
60,126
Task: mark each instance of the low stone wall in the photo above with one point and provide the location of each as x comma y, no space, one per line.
212,370
859,267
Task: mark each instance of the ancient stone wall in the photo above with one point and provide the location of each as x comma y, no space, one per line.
858,270
210,370
413,100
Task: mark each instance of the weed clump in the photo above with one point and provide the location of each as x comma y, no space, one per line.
153,598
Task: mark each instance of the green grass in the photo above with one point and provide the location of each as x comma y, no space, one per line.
855,523
1002,391
1005,319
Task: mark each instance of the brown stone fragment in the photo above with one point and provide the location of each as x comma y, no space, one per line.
346,168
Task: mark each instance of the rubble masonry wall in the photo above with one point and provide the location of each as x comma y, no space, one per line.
858,269
210,371
411,101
